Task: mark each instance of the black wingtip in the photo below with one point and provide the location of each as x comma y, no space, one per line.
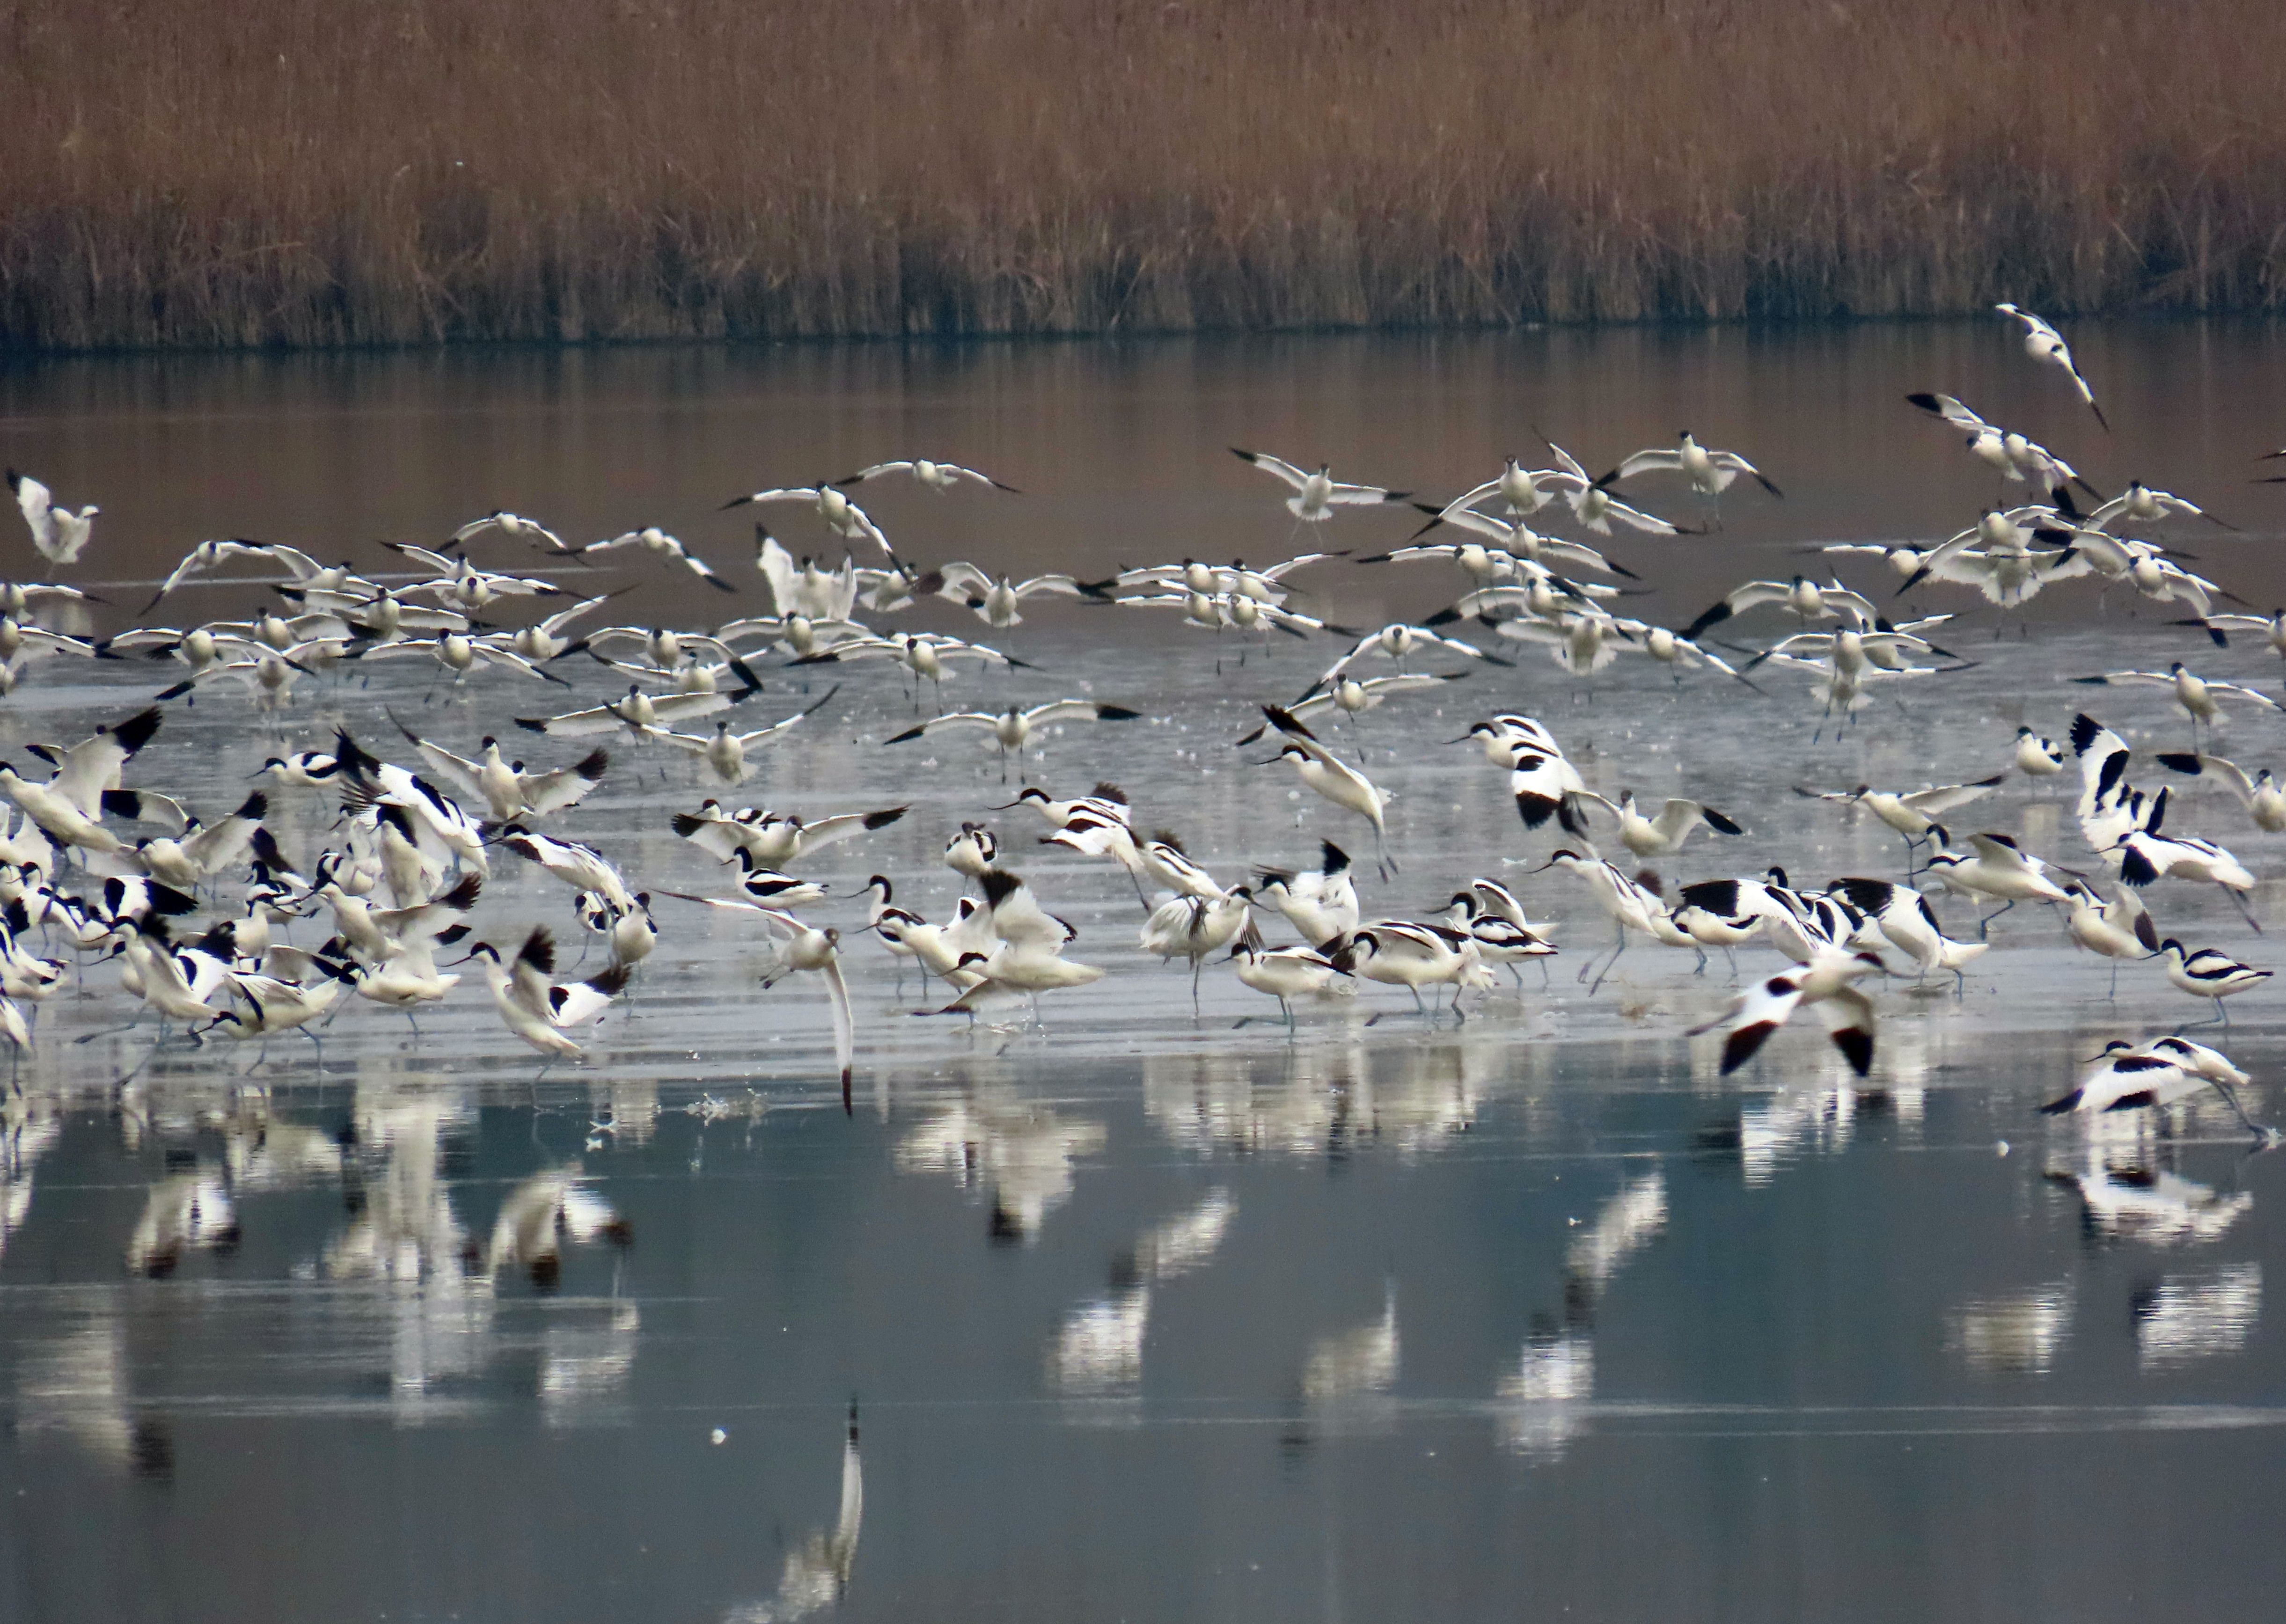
1740,1046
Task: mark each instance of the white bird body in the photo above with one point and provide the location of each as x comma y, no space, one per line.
1828,981
1321,903
842,516
2208,974
1996,867
938,476
2035,757
2044,344
59,533
1413,954
1288,973
1317,495
1663,834
535,1008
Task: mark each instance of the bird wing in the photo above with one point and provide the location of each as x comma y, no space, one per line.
960,581
847,825
531,973
575,724
1079,710
1397,684
425,558
1946,797
1268,464
1574,470
93,765
1654,459
462,772
1635,518
565,786
32,498
1361,496
2244,693
1017,918
1458,514
1752,1016
1062,586
845,1037
1732,463
145,806
779,572
1949,409
1999,851
683,707
952,648
957,719
2228,774
581,1002
493,654
875,471
1848,1016
700,568
777,729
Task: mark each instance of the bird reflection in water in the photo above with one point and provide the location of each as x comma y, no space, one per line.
1019,1152
75,1385
1328,1102
2014,1333
550,1207
1347,1375
816,1572
2141,1201
1099,1349
2189,1317
30,1125
1543,1403
190,1211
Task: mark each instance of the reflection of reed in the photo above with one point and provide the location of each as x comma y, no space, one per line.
514,169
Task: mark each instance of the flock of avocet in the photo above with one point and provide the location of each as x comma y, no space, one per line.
104,870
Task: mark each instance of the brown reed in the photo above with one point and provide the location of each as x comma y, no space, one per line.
228,172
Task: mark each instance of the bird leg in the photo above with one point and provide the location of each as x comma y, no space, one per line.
1984,921
1614,959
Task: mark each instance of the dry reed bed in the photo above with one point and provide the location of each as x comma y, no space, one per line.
271,171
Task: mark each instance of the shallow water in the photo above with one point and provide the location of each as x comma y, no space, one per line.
1147,1316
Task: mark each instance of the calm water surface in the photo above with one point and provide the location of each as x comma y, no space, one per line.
1146,1317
